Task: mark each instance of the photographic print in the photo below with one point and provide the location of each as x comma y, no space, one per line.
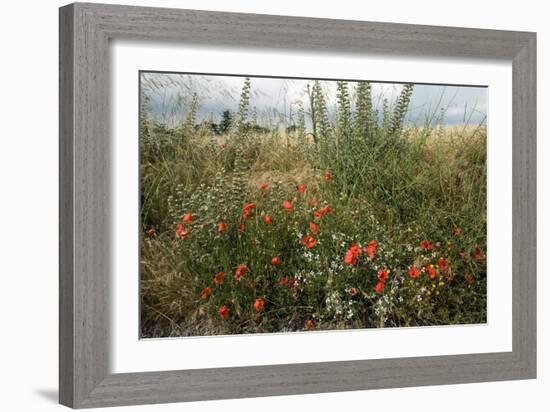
280,205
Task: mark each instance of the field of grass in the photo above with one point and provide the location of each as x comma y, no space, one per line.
363,222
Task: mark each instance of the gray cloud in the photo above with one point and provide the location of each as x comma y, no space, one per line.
169,96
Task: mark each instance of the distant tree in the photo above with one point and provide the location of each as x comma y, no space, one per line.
225,124
292,128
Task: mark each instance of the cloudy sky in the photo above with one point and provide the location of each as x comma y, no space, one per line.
169,96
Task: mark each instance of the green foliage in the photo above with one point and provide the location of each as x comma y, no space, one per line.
191,118
319,112
400,109
301,124
242,114
344,111
365,118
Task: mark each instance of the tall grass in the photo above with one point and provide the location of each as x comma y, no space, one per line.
418,192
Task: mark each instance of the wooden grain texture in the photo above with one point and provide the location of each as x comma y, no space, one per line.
66,229
524,205
85,31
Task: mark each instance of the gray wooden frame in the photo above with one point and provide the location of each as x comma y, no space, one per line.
85,31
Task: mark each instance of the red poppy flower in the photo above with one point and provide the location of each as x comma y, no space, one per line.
259,304
222,226
187,217
207,291
182,232
383,274
276,260
413,272
264,186
314,228
248,209
379,288
224,312
443,264
457,230
431,271
310,324
249,205
287,205
268,220
469,278
309,241
327,176
283,281
219,277
350,258
301,188
240,271
477,254
352,253
325,210
241,227
371,248
353,291
426,245
356,249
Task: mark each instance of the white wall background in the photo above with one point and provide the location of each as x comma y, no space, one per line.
28,205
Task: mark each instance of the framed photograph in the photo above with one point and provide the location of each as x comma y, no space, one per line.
256,205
